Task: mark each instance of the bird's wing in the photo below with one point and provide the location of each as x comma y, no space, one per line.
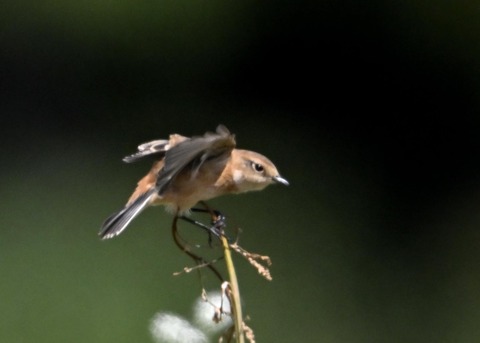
192,153
156,148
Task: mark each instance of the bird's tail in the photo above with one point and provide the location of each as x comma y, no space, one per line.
117,222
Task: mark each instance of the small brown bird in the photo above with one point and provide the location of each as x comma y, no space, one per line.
189,170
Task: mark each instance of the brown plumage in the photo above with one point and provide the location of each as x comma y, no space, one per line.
189,170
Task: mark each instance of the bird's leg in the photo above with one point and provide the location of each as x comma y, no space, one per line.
210,229
218,219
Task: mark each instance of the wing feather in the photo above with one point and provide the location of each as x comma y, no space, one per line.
155,148
193,152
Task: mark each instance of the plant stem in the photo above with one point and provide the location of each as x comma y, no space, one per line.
235,293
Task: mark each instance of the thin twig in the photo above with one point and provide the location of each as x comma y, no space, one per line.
260,262
198,259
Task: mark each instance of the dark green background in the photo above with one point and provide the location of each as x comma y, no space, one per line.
369,109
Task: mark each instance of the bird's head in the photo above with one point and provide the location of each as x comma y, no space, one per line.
253,171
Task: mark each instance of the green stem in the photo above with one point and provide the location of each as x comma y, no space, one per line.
235,293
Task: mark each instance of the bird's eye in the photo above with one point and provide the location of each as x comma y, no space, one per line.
257,167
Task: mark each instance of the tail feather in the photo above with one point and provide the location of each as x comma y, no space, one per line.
117,222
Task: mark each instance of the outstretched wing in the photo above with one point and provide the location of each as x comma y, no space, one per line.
193,153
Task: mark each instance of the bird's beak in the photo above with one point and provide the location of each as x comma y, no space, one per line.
281,180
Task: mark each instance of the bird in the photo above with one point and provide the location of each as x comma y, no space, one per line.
189,170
